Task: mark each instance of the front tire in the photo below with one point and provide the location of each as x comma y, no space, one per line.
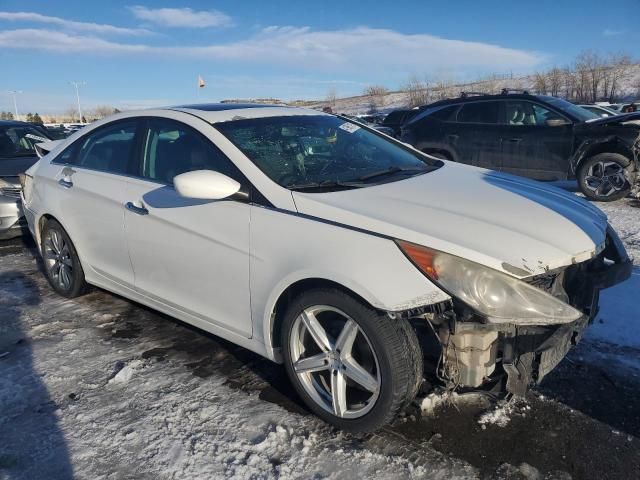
61,261
354,367
602,177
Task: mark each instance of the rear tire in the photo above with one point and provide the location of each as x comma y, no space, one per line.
61,261
601,177
327,372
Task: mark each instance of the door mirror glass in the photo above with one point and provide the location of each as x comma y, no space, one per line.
557,122
205,185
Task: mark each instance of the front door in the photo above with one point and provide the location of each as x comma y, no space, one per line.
192,255
477,136
536,141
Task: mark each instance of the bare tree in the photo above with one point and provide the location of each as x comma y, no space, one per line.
617,70
417,91
554,78
540,83
375,94
332,96
101,111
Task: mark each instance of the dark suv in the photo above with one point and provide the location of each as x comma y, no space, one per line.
536,136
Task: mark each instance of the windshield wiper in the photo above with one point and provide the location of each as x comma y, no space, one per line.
325,184
392,171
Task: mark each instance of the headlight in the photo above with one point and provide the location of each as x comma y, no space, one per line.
499,297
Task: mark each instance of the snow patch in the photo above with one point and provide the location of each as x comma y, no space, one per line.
501,415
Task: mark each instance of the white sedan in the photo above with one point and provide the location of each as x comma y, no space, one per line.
360,263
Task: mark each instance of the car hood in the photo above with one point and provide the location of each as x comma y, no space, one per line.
622,119
508,223
12,167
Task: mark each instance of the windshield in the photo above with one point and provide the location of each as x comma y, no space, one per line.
313,153
575,111
19,141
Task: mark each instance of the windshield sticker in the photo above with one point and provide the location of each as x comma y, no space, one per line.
36,137
349,127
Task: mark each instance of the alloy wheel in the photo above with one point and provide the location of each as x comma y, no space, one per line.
335,362
605,178
57,259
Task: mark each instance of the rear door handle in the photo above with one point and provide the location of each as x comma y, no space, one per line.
137,210
65,183
513,140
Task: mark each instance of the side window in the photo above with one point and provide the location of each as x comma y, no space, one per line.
171,148
108,149
67,155
446,114
479,112
543,114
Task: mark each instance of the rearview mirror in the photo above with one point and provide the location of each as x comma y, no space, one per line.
205,185
557,122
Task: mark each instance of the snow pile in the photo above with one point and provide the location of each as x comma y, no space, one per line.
501,414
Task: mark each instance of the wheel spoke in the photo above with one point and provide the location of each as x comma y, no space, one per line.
65,276
338,393
344,343
55,241
315,363
358,374
316,330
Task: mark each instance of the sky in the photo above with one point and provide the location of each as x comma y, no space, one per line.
131,54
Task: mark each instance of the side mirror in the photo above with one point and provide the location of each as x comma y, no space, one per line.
557,122
205,185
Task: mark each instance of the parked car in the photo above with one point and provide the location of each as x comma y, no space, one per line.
333,260
17,154
536,136
600,110
397,118
375,126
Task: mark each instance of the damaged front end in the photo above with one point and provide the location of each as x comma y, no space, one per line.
477,352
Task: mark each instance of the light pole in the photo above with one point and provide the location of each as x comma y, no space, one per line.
15,102
77,85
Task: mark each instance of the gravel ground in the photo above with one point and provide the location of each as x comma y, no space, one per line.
100,387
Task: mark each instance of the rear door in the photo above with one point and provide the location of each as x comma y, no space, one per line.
192,255
90,183
477,134
536,141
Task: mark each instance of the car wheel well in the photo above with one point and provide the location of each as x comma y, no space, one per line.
44,219
294,290
609,147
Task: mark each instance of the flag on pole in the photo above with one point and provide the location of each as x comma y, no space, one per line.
201,83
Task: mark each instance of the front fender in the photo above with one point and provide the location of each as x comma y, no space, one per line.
287,248
610,143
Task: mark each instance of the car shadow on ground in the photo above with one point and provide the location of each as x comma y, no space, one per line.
25,403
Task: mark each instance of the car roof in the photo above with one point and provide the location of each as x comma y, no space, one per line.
475,98
14,123
224,112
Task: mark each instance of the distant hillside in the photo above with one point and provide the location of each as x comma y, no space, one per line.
628,89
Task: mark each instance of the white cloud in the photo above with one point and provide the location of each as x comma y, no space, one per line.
72,25
181,17
358,50
607,32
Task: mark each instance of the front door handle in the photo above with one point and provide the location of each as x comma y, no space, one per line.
137,210
65,183
513,140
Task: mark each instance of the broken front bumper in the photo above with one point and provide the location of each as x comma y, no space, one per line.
513,357
530,353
